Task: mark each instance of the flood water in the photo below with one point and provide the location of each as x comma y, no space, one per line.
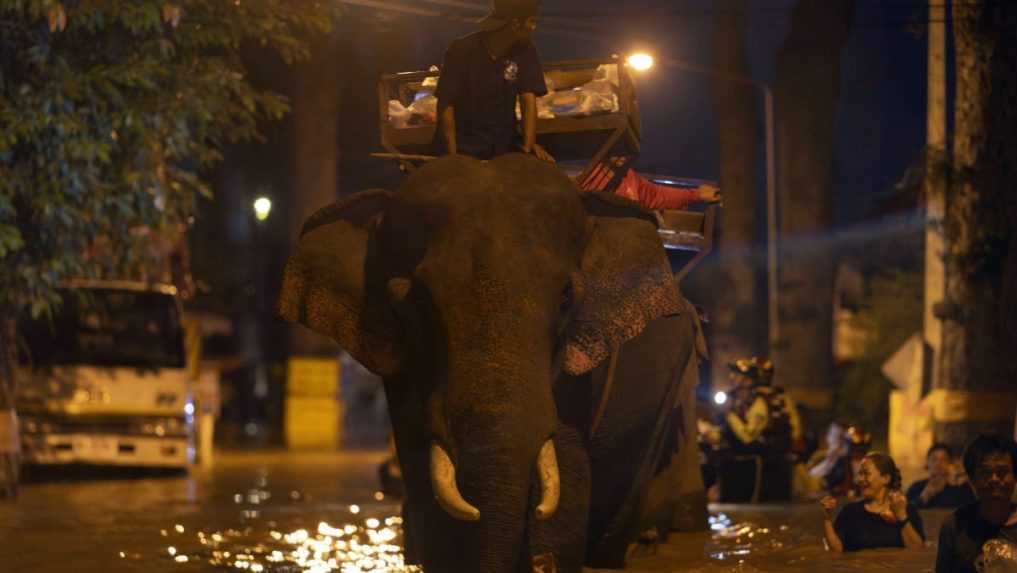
289,512
778,538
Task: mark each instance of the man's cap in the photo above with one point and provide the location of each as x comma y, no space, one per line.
759,369
504,11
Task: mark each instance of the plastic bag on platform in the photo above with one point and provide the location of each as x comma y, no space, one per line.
398,114
424,110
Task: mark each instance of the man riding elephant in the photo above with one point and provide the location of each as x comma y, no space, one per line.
532,340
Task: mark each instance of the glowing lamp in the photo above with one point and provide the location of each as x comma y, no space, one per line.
262,208
640,61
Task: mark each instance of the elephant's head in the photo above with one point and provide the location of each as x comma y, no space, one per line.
471,288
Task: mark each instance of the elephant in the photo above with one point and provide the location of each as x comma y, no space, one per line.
531,339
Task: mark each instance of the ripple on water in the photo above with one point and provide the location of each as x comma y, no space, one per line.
785,539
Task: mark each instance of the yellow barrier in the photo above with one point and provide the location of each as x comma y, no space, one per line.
313,377
313,423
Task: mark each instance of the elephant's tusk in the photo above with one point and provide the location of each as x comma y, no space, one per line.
443,482
550,482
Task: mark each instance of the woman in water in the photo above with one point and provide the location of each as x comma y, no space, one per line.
882,518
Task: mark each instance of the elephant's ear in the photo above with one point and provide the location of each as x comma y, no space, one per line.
627,281
324,283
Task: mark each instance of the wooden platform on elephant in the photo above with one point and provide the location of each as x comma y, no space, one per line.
586,138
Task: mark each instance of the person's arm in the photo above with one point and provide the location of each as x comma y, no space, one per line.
450,91
833,540
912,540
708,193
531,85
822,468
749,429
914,493
528,104
933,487
448,129
912,533
660,197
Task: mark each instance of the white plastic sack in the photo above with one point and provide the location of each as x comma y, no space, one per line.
593,98
424,110
543,108
398,115
431,81
608,72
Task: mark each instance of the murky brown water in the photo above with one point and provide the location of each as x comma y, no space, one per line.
784,538
286,512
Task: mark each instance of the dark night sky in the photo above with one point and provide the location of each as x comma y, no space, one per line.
882,113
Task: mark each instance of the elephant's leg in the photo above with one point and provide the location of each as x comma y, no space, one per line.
564,534
684,477
627,447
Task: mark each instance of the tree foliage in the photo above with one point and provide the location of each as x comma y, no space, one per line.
110,114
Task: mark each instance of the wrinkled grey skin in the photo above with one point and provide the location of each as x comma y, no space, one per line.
488,296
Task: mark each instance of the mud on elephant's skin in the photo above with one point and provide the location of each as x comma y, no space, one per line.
489,296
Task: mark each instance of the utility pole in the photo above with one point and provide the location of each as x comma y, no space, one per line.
770,146
935,188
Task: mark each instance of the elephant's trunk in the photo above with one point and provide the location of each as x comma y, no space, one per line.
446,491
550,482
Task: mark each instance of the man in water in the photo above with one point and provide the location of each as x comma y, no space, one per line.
482,76
946,487
990,461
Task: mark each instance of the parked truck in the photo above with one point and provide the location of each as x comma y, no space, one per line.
105,380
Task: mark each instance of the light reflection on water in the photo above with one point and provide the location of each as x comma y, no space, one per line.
371,545
273,534
353,543
741,540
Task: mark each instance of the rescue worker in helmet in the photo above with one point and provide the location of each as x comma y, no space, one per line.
764,421
763,415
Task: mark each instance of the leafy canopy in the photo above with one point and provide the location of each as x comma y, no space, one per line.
111,111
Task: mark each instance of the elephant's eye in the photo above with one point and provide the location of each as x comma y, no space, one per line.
398,289
567,299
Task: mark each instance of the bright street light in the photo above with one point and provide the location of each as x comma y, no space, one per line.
640,61
262,207
720,398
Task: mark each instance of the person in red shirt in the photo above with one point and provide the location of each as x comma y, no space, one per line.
615,175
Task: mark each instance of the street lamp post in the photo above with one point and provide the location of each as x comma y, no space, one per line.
643,62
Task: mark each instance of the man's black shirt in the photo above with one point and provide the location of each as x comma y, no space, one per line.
952,496
483,91
962,536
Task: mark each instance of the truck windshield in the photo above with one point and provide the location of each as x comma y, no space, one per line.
108,327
